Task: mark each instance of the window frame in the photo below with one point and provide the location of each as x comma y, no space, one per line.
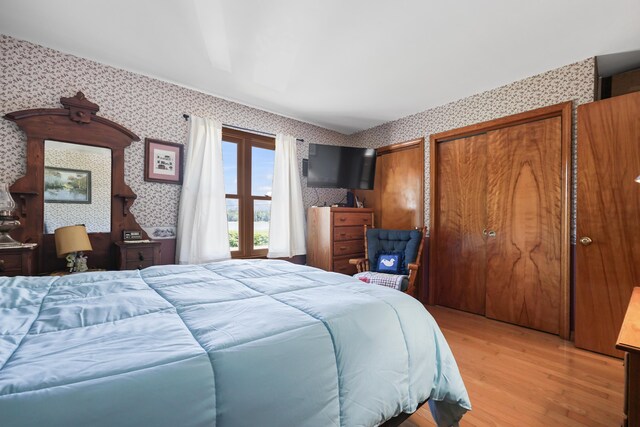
245,142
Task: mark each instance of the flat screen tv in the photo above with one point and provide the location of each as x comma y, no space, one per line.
332,166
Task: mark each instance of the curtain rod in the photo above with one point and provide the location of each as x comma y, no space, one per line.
259,132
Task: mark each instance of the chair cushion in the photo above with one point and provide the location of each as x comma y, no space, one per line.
382,240
395,281
390,262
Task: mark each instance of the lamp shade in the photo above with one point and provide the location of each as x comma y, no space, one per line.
70,239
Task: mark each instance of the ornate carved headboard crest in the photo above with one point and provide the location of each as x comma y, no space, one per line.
80,108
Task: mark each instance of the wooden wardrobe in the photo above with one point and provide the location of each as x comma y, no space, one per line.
500,219
608,219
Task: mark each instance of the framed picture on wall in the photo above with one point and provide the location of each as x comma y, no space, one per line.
163,161
67,185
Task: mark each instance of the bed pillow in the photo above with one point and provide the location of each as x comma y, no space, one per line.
389,262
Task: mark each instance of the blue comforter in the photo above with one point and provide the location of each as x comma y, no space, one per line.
235,343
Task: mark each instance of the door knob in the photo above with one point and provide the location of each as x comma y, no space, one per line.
586,240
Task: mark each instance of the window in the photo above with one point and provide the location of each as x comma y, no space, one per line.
248,175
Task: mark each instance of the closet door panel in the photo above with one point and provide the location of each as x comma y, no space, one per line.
401,189
523,217
608,268
460,245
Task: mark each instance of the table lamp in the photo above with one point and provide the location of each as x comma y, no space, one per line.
8,221
71,242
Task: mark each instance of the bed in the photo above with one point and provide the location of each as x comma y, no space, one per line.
233,343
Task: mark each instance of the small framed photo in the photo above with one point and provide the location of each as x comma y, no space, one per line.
67,185
163,161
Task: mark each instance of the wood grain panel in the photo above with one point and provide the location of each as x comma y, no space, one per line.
460,245
397,198
319,241
608,213
524,209
563,114
402,189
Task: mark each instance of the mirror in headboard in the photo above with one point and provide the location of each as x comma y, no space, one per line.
87,137
77,186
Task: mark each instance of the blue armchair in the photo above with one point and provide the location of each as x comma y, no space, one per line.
407,243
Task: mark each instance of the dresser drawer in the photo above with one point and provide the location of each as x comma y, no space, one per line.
351,218
132,256
348,247
139,254
11,263
139,265
348,233
342,265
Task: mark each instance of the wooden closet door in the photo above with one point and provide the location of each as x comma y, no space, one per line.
609,214
402,189
524,208
461,204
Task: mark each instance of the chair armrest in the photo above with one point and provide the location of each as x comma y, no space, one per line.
362,264
413,274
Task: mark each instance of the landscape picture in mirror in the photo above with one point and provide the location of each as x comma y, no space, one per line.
332,166
67,185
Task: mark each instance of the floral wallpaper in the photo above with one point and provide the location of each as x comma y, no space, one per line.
574,82
32,76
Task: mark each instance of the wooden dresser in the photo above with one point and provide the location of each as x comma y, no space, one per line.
629,342
334,235
17,261
132,256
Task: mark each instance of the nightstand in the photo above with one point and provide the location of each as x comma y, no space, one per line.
17,260
137,255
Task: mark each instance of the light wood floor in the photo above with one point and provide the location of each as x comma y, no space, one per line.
520,377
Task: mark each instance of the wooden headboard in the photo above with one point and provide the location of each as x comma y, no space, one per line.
76,123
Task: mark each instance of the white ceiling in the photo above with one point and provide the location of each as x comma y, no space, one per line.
343,65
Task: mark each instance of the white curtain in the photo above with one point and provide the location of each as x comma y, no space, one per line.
202,234
287,228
